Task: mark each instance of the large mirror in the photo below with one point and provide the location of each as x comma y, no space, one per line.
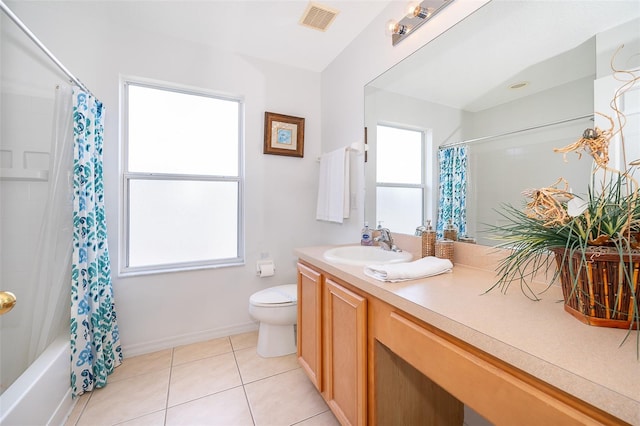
509,83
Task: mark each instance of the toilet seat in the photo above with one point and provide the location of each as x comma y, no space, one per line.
281,295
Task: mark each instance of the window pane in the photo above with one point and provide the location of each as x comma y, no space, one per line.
173,132
197,222
398,155
399,209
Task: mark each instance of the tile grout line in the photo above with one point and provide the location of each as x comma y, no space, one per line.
84,407
244,390
166,403
234,350
309,418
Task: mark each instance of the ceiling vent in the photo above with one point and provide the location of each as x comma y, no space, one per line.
318,17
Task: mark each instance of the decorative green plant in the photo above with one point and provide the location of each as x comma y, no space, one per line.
610,219
558,222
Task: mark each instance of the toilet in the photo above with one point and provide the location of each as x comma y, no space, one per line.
277,309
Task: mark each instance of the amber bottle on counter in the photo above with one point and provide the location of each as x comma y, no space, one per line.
450,232
444,249
428,240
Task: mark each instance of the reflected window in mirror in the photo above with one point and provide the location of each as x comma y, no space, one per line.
400,178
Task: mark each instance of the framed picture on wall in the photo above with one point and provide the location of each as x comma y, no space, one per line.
283,135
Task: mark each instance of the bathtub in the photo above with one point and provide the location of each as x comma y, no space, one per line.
42,394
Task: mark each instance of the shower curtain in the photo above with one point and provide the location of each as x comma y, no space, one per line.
95,341
452,204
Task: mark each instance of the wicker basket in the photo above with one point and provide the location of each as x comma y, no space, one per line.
444,249
428,243
598,286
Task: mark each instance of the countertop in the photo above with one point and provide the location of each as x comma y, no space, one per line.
540,338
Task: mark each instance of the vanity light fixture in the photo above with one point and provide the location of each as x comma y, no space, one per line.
417,14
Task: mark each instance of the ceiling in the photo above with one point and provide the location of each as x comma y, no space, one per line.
264,29
270,30
541,42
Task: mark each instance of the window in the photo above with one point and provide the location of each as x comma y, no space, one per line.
400,177
182,179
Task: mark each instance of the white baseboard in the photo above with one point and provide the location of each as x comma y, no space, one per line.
186,339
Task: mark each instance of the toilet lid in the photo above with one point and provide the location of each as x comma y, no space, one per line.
278,295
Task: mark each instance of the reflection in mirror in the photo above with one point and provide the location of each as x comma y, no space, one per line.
399,176
510,82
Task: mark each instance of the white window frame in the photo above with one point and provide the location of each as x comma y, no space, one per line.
423,186
126,176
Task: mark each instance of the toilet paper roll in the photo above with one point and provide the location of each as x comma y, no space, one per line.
267,270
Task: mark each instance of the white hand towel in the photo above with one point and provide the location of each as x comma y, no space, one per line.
333,186
421,268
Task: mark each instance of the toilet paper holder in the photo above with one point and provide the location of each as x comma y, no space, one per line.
265,268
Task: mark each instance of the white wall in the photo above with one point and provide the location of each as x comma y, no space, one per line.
163,310
344,79
491,161
158,311
608,42
501,168
444,124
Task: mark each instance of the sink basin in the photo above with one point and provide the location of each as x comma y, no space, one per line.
365,255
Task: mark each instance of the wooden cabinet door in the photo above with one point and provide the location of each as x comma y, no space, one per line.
309,328
346,352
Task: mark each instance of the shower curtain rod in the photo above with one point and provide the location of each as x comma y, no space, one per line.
513,132
42,47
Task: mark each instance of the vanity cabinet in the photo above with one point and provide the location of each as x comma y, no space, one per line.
332,343
309,328
376,363
346,353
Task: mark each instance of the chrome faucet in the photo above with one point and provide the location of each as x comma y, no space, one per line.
386,240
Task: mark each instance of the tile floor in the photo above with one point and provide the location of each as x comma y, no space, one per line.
216,382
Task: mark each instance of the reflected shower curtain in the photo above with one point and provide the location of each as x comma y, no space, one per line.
95,342
452,200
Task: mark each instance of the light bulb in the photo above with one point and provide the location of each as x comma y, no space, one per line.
412,8
394,27
422,12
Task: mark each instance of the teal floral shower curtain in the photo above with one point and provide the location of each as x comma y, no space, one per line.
95,342
452,204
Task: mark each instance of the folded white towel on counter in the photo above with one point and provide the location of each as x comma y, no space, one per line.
421,268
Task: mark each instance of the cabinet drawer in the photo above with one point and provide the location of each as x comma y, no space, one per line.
499,392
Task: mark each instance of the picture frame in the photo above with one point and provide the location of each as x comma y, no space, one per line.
283,135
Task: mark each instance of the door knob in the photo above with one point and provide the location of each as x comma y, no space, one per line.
7,301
